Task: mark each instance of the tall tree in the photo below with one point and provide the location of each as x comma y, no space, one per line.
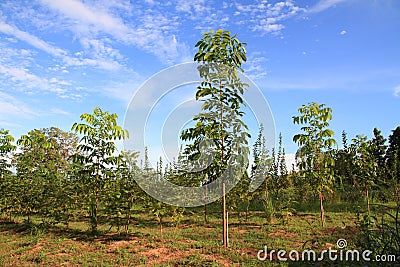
345,170
393,150
6,147
365,166
97,147
260,169
316,144
393,160
43,167
220,55
6,183
378,148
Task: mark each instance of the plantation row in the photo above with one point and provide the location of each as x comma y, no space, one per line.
60,177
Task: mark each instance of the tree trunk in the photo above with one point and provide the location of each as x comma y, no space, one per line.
367,198
205,213
224,224
267,212
224,221
205,207
321,199
247,209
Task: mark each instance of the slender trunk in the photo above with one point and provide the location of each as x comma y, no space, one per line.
224,220
267,211
247,209
205,213
96,200
161,227
321,199
367,198
205,207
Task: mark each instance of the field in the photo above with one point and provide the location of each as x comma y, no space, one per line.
192,242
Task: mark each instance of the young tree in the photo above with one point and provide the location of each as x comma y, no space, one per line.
315,144
6,183
262,168
345,167
6,147
122,192
377,149
393,160
97,153
365,165
43,169
393,152
220,55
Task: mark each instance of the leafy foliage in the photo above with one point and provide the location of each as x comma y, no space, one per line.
315,144
96,154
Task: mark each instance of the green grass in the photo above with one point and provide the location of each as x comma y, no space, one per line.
192,243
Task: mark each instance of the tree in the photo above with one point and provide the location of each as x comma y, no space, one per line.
377,148
43,167
122,192
393,160
261,167
315,144
365,165
393,151
345,170
6,147
220,55
6,183
96,153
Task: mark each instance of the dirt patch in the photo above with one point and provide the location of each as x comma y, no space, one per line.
283,233
112,246
37,248
162,255
221,261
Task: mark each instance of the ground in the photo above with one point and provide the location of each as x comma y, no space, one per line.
193,242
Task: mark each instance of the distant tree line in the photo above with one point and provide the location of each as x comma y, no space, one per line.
61,176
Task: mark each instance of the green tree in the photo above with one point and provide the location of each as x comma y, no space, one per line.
220,55
262,167
6,147
43,169
365,166
393,150
6,181
122,192
97,150
393,160
345,171
31,171
377,148
315,148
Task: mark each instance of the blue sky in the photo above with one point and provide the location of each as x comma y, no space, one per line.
59,59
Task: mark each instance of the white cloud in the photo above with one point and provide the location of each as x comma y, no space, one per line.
9,105
343,32
151,33
255,66
32,40
323,5
57,52
396,91
266,17
60,112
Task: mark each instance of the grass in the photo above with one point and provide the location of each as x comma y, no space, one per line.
192,243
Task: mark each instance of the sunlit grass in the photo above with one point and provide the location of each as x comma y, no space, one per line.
192,242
